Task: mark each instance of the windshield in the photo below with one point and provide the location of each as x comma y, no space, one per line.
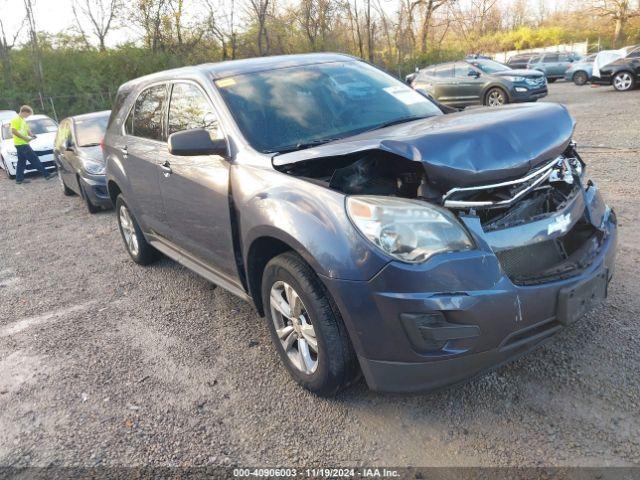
491,66
290,108
90,131
39,126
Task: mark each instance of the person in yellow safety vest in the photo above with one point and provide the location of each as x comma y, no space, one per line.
21,138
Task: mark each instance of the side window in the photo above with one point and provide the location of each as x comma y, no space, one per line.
128,124
445,71
564,57
551,58
189,108
147,113
463,69
634,54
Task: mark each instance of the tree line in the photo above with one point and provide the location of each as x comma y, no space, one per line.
79,68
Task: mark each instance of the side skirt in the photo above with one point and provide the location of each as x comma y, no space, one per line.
197,266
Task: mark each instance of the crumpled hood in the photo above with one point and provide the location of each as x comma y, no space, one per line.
464,149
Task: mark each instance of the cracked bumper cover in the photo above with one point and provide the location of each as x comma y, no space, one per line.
500,320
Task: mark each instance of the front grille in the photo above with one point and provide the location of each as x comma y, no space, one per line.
562,257
42,153
521,261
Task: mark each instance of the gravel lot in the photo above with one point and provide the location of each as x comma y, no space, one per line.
103,362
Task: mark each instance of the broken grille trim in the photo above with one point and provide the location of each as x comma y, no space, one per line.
542,174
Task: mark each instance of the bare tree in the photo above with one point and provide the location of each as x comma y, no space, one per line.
6,45
429,8
35,48
221,24
100,15
150,15
620,11
258,11
315,18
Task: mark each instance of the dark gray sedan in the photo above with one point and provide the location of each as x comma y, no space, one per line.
374,232
480,82
78,156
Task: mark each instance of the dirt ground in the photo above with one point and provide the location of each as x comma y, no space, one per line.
103,362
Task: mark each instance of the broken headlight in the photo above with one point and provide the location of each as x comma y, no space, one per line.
409,230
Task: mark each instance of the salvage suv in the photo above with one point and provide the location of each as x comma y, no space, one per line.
374,232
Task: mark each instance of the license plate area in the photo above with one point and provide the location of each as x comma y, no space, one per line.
575,301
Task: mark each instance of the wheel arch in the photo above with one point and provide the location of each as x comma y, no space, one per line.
114,190
261,250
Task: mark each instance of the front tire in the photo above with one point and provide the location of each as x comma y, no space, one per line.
87,201
623,81
137,246
580,78
496,97
306,326
6,169
65,190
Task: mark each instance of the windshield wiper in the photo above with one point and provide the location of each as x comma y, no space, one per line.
303,145
395,122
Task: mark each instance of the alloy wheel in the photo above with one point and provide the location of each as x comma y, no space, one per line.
293,327
495,98
622,81
128,230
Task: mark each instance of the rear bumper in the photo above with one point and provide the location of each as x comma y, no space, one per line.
482,319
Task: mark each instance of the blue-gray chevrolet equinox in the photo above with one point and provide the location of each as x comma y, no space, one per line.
376,233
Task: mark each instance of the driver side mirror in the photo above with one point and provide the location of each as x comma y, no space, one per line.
197,141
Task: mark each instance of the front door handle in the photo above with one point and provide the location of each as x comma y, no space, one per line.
166,168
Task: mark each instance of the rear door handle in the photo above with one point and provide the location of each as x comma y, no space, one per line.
166,168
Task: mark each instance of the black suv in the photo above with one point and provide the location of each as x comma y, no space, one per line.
623,74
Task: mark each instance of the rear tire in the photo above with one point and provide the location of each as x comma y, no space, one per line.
580,78
137,246
623,81
306,326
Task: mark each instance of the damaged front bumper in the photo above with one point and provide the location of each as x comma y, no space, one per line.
420,327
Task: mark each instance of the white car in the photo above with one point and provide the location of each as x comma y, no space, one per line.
44,128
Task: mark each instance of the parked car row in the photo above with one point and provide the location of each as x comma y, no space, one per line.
479,81
377,232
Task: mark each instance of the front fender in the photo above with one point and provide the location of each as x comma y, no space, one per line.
309,218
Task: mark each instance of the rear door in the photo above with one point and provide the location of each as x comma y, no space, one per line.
195,189
551,65
144,143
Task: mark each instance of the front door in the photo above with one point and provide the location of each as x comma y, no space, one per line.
195,189
470,82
